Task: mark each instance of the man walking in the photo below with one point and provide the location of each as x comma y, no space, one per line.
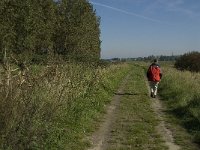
154,76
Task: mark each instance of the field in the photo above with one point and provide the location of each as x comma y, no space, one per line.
61,106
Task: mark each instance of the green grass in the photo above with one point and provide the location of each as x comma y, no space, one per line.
136,122
57,106
180,93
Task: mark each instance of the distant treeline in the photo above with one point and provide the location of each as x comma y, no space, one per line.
149,58
36,29
162,58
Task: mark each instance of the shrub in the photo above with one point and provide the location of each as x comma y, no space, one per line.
189,61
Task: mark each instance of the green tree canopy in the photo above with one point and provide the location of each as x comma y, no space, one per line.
42,27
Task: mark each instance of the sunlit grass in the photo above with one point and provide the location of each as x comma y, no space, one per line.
135,125
181,92
55,107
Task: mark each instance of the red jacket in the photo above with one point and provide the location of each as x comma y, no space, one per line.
154,73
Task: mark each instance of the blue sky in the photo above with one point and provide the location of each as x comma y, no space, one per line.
139,28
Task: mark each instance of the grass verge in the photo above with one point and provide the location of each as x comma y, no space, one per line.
180,93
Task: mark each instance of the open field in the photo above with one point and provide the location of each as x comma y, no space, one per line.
60,106
139,122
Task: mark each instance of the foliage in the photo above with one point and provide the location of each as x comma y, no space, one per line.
54,106
189,61
47,27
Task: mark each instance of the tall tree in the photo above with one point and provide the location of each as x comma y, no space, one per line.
41,27
7,26
78,32
40,24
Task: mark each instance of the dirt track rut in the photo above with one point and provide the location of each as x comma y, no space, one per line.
100,138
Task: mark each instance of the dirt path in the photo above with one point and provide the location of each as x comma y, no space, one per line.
161,128
100,137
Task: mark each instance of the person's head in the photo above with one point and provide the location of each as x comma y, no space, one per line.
155,60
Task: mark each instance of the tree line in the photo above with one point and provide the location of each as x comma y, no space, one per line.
33,30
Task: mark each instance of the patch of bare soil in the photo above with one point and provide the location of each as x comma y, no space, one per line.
165,132
100,137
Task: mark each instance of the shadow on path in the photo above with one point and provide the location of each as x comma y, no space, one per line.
120,93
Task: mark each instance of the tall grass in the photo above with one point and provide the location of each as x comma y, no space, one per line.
55,106
181,90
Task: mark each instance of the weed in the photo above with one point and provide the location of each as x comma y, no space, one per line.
180,91
55,106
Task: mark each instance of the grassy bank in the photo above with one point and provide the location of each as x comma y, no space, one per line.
135,127
181,93
55,106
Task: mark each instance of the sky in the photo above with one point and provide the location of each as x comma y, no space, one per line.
140,28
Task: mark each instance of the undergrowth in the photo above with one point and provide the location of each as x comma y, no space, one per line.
55,106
